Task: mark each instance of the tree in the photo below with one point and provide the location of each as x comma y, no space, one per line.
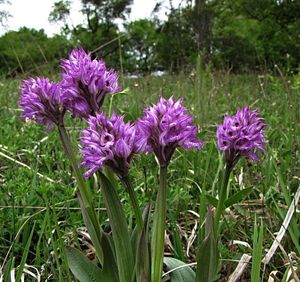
104,11
4,15
141,45
100,32
60,11
31,51
202,16
176,47
254,34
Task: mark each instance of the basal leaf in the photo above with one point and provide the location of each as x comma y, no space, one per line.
83,269
238,197
207,254
110,268
95,236
212,200
117,219
181,271
141,245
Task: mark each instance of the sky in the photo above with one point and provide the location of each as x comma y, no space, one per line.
35,13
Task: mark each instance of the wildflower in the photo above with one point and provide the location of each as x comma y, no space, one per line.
165,127
108,141
41,101
241,135
85,83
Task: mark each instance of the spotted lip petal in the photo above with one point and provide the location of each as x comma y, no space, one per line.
86,83
109,141
41,101
165,127
241,135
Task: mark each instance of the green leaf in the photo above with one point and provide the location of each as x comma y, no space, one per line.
212,200
207,253
202,216
117,219
111,176
237,197
91,230
7,269
177,242
159,227
258,235
183,274
83,269
24,256
140,241
110,268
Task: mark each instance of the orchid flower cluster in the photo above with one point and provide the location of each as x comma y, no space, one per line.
112,142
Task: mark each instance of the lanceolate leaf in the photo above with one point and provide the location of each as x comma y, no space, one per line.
95,236
258,236
117,219
212,200
207,254
83,269
140,241
110,268
237,197
25,254
181,272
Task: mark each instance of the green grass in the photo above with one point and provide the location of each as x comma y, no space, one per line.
44,215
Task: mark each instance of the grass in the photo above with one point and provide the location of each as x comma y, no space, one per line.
38,216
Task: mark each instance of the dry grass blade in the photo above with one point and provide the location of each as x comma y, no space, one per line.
107,43
26,166
283,228
179,267
191,238
28,270
241,243
43,208
242,265
273,276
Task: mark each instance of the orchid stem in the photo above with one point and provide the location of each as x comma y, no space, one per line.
84,192
134,202
222,198
159,226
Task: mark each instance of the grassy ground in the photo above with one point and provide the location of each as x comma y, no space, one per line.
39,213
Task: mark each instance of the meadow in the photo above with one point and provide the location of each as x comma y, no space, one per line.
39,212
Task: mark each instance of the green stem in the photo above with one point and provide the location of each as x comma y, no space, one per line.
134,202
85,194
159,226
222,198
70,154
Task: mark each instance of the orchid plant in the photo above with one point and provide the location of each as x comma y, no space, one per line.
110,142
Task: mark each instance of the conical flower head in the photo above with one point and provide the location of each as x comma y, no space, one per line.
41,101
108,141
165,127
85,83
241,135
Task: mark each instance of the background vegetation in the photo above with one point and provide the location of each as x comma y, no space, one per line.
219,56
239,35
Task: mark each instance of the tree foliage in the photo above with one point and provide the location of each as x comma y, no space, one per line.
141,45
240,35
30,51
60,11
253,34
4,14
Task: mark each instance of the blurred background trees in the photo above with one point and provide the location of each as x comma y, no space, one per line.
239,35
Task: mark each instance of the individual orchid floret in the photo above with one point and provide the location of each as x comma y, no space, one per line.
241,135
108,141
41,101
86,83
165,127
